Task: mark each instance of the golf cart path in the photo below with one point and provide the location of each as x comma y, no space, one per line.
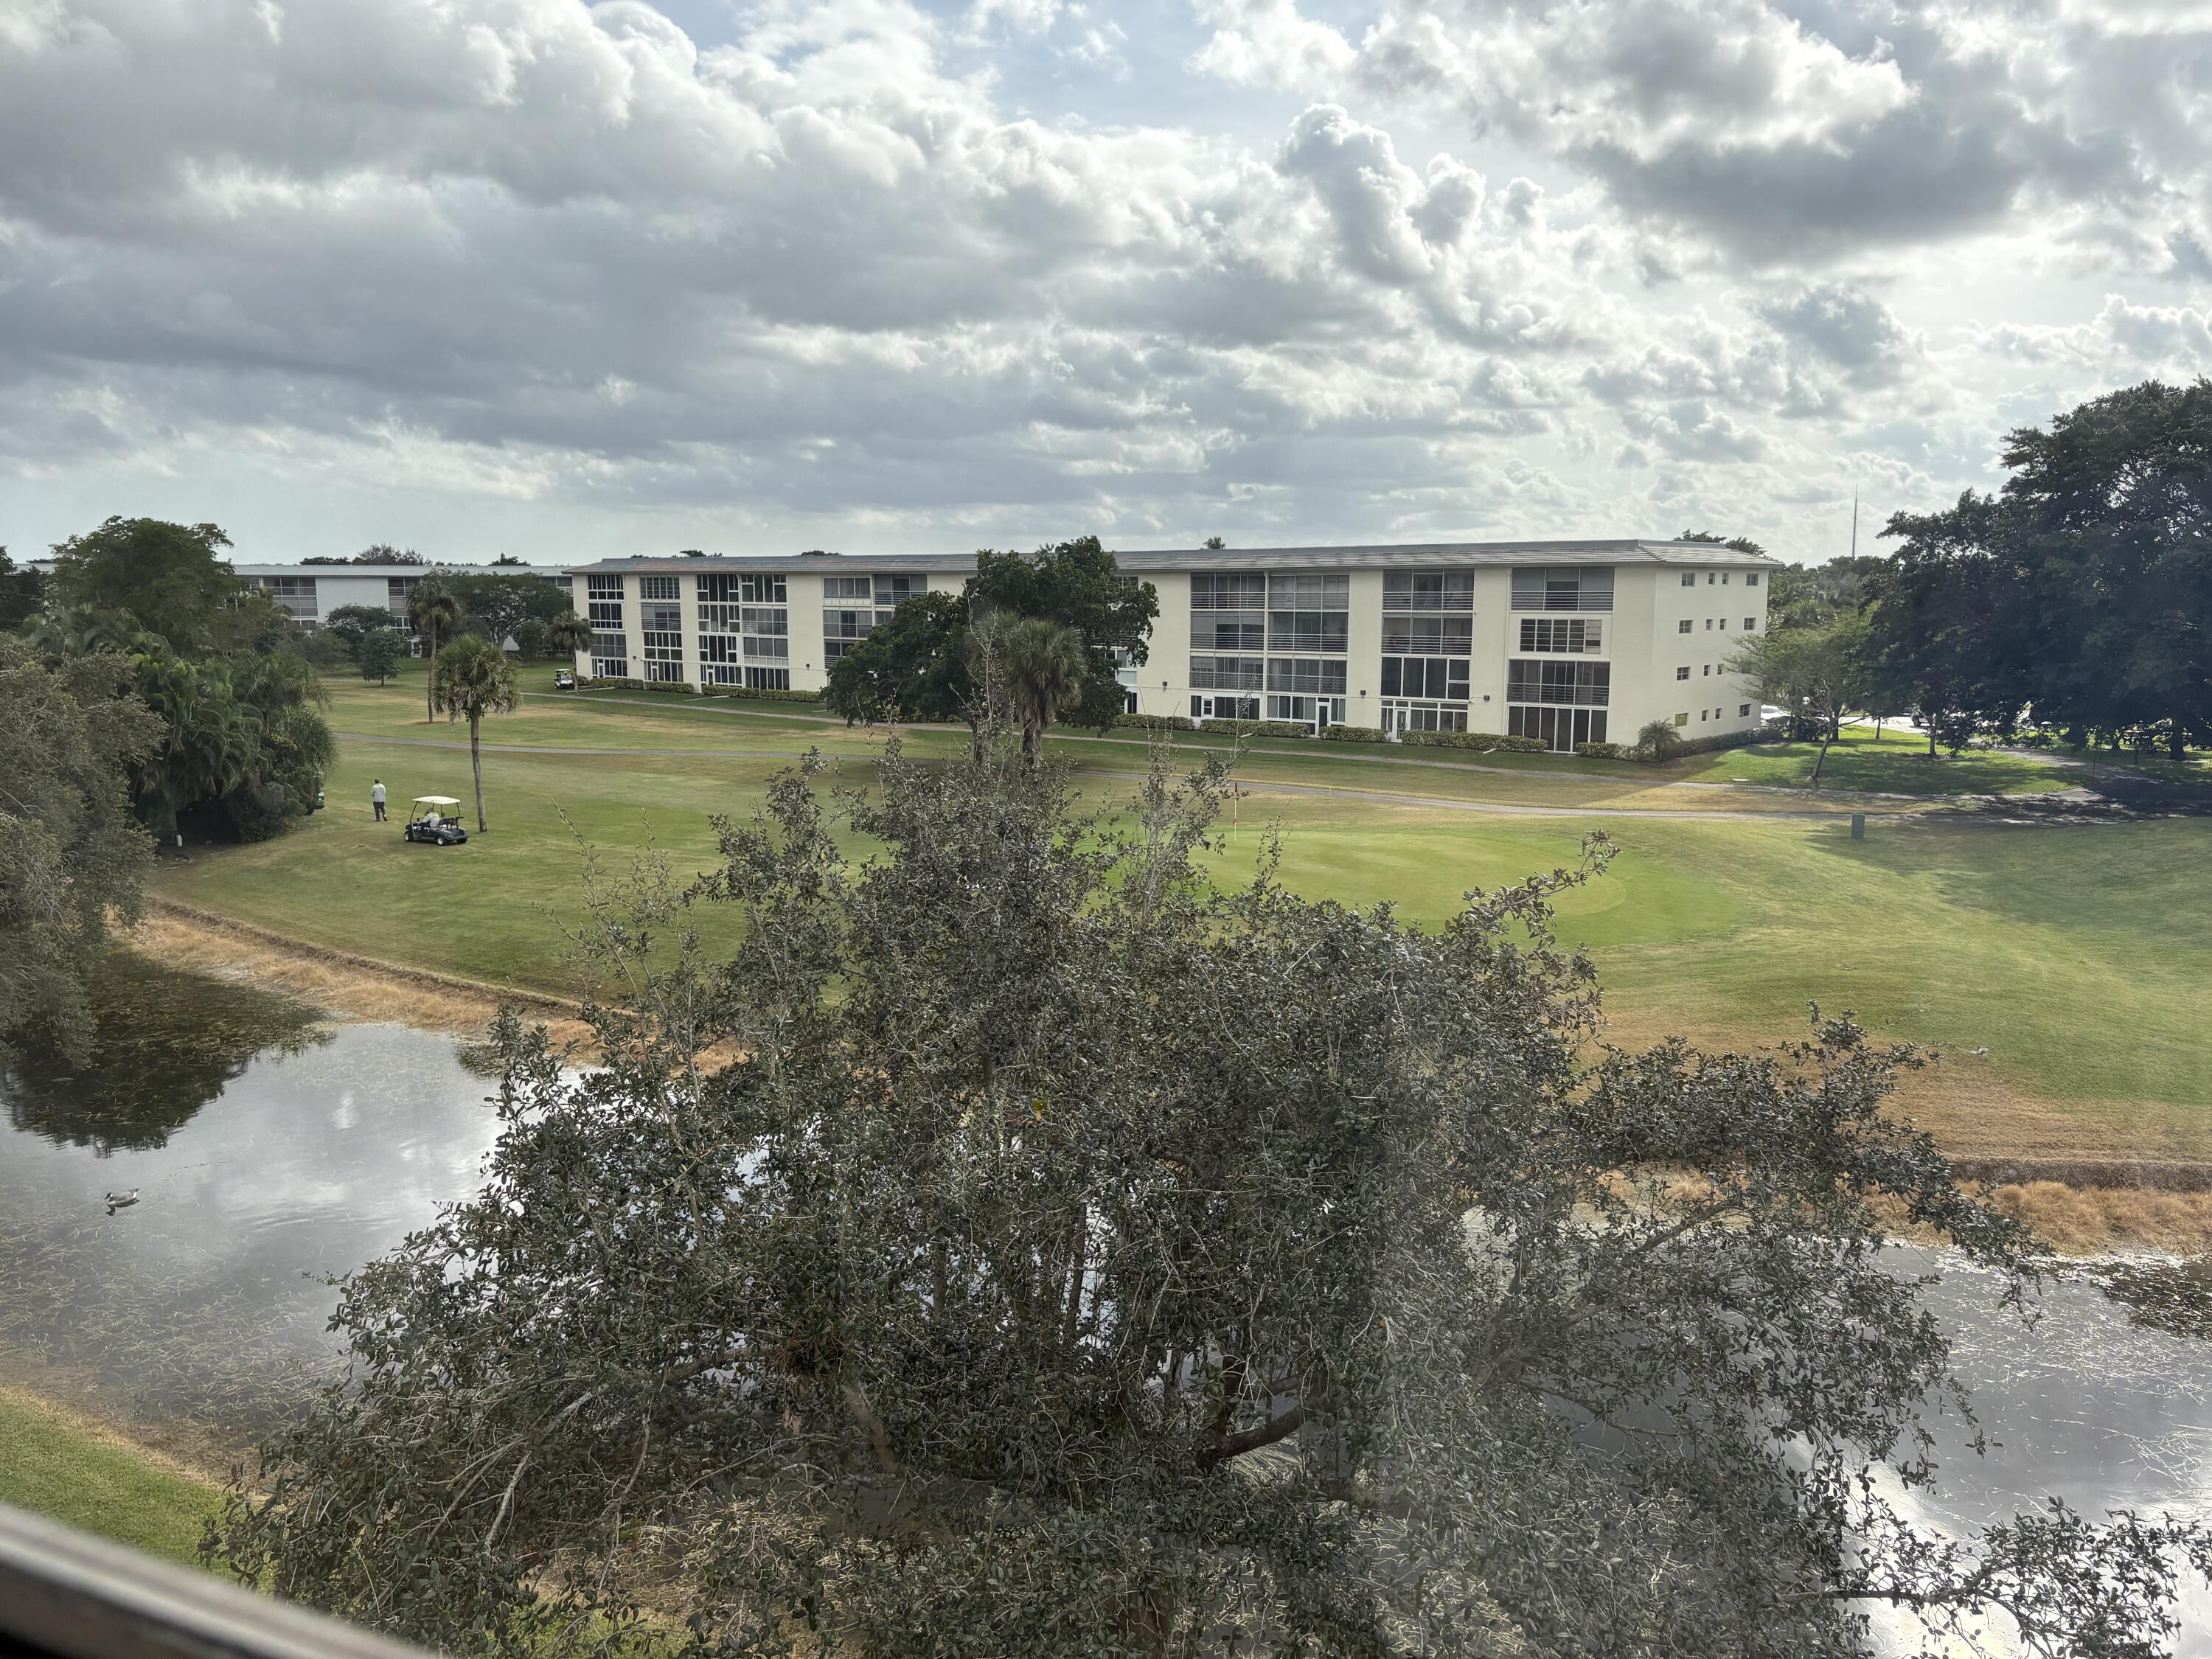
1253,786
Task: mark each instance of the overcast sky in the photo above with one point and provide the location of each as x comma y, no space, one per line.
566,281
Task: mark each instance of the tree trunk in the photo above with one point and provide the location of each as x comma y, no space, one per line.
475,765
2177,741
430,684
1822,762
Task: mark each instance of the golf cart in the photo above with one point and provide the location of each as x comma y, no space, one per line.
564,679
433,820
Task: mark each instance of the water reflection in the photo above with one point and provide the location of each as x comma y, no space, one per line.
167,1044
207,1297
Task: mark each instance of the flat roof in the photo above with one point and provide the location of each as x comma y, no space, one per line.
1396,556
351,569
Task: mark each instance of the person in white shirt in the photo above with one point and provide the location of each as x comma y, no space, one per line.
376,798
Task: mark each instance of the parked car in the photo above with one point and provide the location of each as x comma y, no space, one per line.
564,679
432,821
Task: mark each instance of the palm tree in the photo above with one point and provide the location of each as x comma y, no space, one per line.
1044,667
432,611
472,680
571,632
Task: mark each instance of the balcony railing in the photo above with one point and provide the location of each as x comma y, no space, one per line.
70,1597
1523,601
1395,601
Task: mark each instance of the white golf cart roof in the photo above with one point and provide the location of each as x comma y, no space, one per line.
437,800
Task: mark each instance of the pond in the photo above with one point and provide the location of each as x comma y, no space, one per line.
270,1149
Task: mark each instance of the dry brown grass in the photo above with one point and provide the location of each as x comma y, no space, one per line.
2095,1220
356,987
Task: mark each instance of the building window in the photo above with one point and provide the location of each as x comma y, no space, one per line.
1709,671
1689,578
658,587
766,631
1724,576
1560,729
1575,684
843,630
1709,624
609,657
1751,579
1225,708
1427,635
1751,624
761,589
397,590
1563,588
861,588
1428,590
664,637
1562,633
603,609
1681,719
1318,674
1228,674
1443,677
1708,578
1742,709
1683,626
1422,717
766,679
892,591
1308,611
293,595
1307,711
1681,674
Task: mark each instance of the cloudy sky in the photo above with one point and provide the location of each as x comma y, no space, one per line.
564,280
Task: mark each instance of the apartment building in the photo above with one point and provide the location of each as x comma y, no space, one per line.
1571,641
311,592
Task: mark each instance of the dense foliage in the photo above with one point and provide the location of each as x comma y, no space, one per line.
2081,592
71,850
168,579
1022,1245
22,593
922,665
501,607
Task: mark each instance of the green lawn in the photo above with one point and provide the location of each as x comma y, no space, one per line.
2074,953
1896,763
52,1467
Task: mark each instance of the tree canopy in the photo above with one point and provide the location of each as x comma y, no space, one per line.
166,577
70,849
918,664
2083,589
1021,1244
498,605
471,679
22,593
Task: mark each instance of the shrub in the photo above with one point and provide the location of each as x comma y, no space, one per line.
1261,728
1605,752
1356,734
1481,743
610,684
1154,722
1722,740
1656,741
751,696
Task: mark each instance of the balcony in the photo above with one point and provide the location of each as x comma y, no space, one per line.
1566,599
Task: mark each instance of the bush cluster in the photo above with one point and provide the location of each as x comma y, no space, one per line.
1154,722
1484,743
1606,752
1722,740
751,696
1355,734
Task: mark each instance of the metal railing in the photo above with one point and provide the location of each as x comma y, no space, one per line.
1523,601
71,1596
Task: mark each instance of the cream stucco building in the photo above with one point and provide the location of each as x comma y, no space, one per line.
1571,641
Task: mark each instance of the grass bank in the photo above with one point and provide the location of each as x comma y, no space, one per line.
60,1463
2072,954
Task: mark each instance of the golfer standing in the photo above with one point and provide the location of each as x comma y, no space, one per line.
376,798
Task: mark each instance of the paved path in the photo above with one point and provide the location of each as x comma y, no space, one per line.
1258,787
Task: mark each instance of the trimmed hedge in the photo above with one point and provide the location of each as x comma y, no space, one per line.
1483,743
749,695
1154,722
1355,734
1261,728
586,683
1605,752
1722,740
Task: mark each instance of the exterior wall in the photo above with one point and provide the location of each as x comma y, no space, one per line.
1642,648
